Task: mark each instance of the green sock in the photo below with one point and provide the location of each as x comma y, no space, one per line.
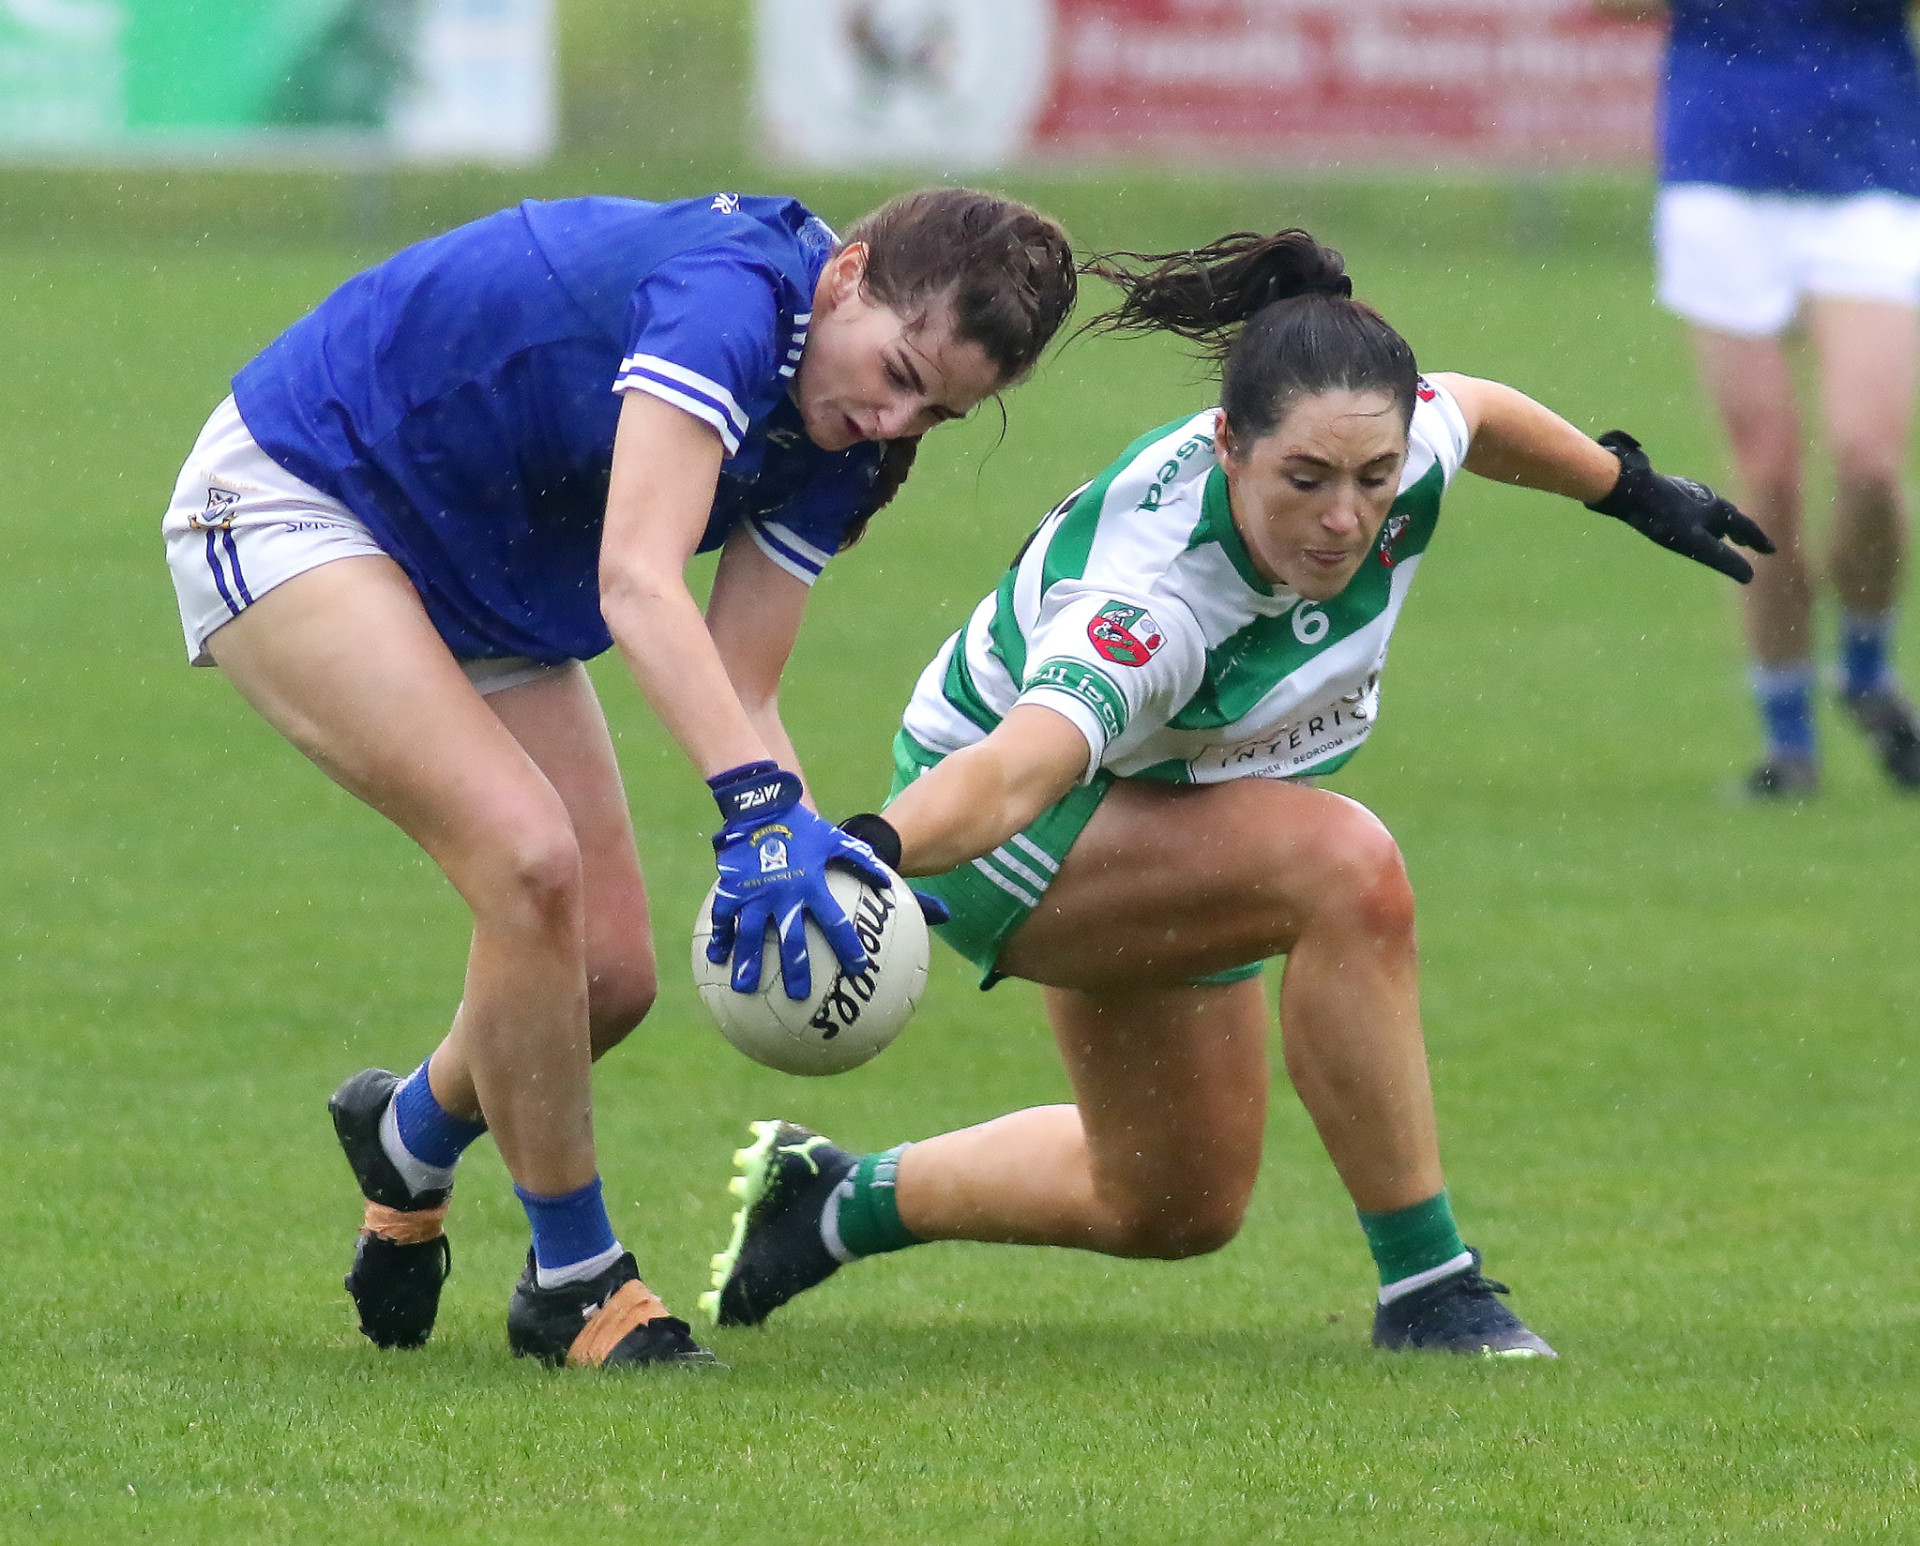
869,1218
1412,1240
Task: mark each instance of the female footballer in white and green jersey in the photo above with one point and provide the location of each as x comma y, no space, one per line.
1101,776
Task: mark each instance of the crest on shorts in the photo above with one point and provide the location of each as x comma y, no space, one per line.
218,516
1126,635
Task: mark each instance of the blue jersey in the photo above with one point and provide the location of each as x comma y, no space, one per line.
1816,97
461,400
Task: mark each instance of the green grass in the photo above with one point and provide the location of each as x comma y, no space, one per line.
1670,1032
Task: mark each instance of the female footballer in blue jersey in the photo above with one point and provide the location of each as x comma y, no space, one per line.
1790,194
1096,776
489,459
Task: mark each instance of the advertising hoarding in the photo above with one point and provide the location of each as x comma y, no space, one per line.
402,79
958,83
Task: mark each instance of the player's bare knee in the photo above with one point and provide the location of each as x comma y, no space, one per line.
1867,476
1776,493
1766,449
1175,1229
1382,899
1180,1221
1367,887
618,999
533,882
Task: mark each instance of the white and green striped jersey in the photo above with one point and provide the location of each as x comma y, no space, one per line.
1137,613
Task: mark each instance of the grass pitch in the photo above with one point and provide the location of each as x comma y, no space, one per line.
1671,1033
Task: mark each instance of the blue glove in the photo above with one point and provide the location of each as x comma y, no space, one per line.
773,854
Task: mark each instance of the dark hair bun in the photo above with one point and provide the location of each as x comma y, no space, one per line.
1008,268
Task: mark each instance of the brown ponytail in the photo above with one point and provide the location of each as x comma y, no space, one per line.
1277,311
1206,293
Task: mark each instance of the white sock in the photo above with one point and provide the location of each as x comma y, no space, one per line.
830,1223
578,1271
1404,1286
419,1176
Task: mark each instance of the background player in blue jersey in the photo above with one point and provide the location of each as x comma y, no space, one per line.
490,458
1790,190
1096,775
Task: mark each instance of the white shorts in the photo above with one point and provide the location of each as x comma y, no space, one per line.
1741,261
239,524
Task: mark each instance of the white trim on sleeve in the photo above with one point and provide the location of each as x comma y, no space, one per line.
788,537
698,407
775,549
706,387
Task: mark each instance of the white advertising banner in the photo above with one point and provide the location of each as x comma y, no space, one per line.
952,84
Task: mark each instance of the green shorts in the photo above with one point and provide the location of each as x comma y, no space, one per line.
991,897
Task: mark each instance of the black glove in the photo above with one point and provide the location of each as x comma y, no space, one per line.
878,834
1683,516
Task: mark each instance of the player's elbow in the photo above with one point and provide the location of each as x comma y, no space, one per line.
633,589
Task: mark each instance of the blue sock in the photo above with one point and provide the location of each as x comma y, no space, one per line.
421,1137
572,1235
1866,639
1785,697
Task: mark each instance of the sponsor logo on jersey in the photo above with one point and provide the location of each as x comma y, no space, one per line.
218,516
725,204
1126,635
1425,390
1281,750
1089,686
1170,469
1391,533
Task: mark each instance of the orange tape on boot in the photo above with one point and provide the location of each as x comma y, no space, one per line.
633,1304
405,1228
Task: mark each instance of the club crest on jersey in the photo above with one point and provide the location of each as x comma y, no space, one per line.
1391,533
1424,389
725,204
1126,635
218,516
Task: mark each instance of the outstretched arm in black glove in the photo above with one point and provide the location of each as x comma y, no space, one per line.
1677,513
1515,440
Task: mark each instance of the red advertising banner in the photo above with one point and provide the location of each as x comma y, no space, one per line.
1319,81
960,83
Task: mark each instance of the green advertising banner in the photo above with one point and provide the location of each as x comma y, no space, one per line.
421,79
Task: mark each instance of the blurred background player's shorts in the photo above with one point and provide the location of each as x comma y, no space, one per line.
1742,262
239,524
